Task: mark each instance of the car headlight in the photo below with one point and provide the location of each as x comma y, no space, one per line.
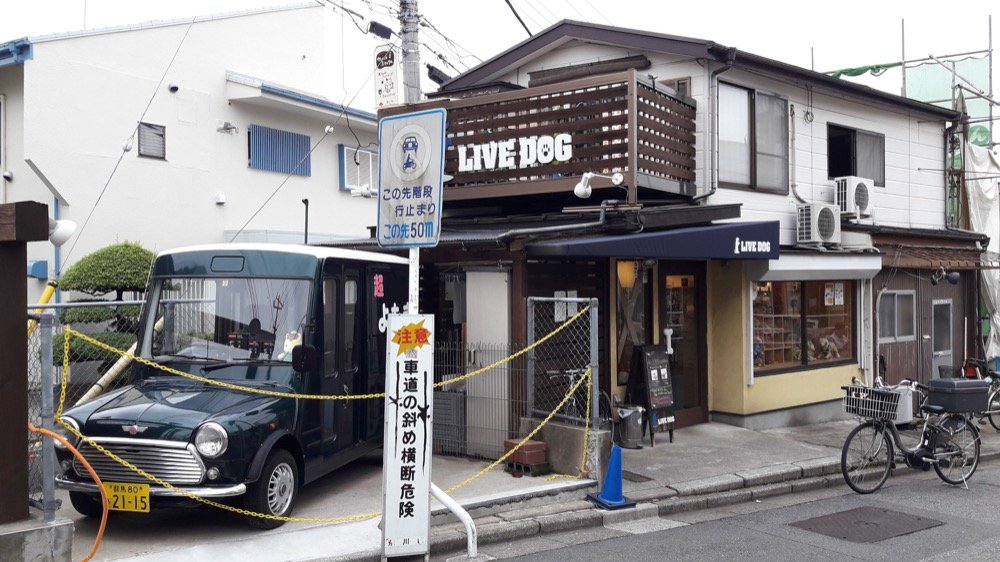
211,440
65,433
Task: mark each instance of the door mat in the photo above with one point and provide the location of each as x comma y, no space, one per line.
634,476
867,524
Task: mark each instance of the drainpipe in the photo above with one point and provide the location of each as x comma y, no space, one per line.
3,145
713,103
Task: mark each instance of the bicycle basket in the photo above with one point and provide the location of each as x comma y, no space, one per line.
871,403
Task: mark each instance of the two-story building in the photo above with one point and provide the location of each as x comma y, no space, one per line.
207,129
784,228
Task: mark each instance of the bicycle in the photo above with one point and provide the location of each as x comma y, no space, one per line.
949,442
980,369
576,407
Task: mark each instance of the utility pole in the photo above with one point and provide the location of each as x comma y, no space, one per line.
409,20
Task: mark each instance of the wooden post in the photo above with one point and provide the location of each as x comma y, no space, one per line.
20,223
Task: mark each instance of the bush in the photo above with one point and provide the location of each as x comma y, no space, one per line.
117,268
80,350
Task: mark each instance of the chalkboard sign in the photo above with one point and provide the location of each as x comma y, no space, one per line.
651,386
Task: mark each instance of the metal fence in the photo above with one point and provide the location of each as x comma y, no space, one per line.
111,323
472,418
555,365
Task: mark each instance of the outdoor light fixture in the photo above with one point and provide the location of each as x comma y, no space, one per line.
626,270
583,189
939,275
60,231
379,29
437,75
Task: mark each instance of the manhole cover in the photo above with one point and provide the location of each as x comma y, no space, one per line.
867,524
634,477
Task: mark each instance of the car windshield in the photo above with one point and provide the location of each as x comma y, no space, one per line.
234,319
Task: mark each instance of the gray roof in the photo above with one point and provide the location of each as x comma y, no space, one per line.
568,30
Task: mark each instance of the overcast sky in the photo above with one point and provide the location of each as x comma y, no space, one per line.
820,35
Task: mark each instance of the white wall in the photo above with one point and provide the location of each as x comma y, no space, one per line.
85,93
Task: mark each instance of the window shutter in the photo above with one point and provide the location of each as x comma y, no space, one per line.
275,150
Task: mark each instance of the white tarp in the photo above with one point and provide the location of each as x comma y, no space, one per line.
984,215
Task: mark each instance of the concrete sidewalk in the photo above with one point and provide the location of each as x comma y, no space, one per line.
706,466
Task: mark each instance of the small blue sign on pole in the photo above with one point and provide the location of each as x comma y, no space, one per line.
410,183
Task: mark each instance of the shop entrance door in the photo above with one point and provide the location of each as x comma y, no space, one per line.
682,309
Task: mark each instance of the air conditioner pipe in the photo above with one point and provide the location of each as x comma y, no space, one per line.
713,100
791,155
562,227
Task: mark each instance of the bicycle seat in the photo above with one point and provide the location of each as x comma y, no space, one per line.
931,409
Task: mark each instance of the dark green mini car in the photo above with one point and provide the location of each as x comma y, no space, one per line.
260,319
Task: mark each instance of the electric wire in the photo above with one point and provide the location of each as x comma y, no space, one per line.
440,57
455,46
593,7
129,138
326,133
544,21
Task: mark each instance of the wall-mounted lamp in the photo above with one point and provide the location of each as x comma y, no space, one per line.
583,189
627,270
60,231
939,275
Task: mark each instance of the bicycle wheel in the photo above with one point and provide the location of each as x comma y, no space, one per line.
962,448
866,458
994,409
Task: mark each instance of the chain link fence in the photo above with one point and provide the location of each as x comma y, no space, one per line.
112,323
555,365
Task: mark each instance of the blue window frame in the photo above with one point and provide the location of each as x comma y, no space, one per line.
275,150
358,167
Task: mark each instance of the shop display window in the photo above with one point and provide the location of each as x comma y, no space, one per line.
802,323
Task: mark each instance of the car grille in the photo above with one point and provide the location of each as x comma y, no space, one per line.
175,463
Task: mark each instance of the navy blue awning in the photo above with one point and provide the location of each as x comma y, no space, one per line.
726,241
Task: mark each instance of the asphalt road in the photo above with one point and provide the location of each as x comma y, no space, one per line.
969,528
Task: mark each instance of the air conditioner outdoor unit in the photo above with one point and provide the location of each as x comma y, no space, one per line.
817,224
853,195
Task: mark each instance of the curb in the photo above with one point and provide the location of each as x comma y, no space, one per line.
535,520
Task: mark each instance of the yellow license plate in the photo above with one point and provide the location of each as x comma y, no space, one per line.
123,496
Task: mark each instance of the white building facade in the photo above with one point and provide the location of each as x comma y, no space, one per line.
204,130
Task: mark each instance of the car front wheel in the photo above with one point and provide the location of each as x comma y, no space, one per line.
86,504
275,491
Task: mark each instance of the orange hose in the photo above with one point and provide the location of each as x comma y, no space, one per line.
93,474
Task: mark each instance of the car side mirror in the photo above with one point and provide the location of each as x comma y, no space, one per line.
303,358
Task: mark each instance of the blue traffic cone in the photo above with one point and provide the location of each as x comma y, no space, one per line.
611,496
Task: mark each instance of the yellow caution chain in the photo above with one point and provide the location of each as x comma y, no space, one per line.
335,520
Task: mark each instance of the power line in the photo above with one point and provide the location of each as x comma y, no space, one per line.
541,25
518,16
432,27
128,140
326,133
593,7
